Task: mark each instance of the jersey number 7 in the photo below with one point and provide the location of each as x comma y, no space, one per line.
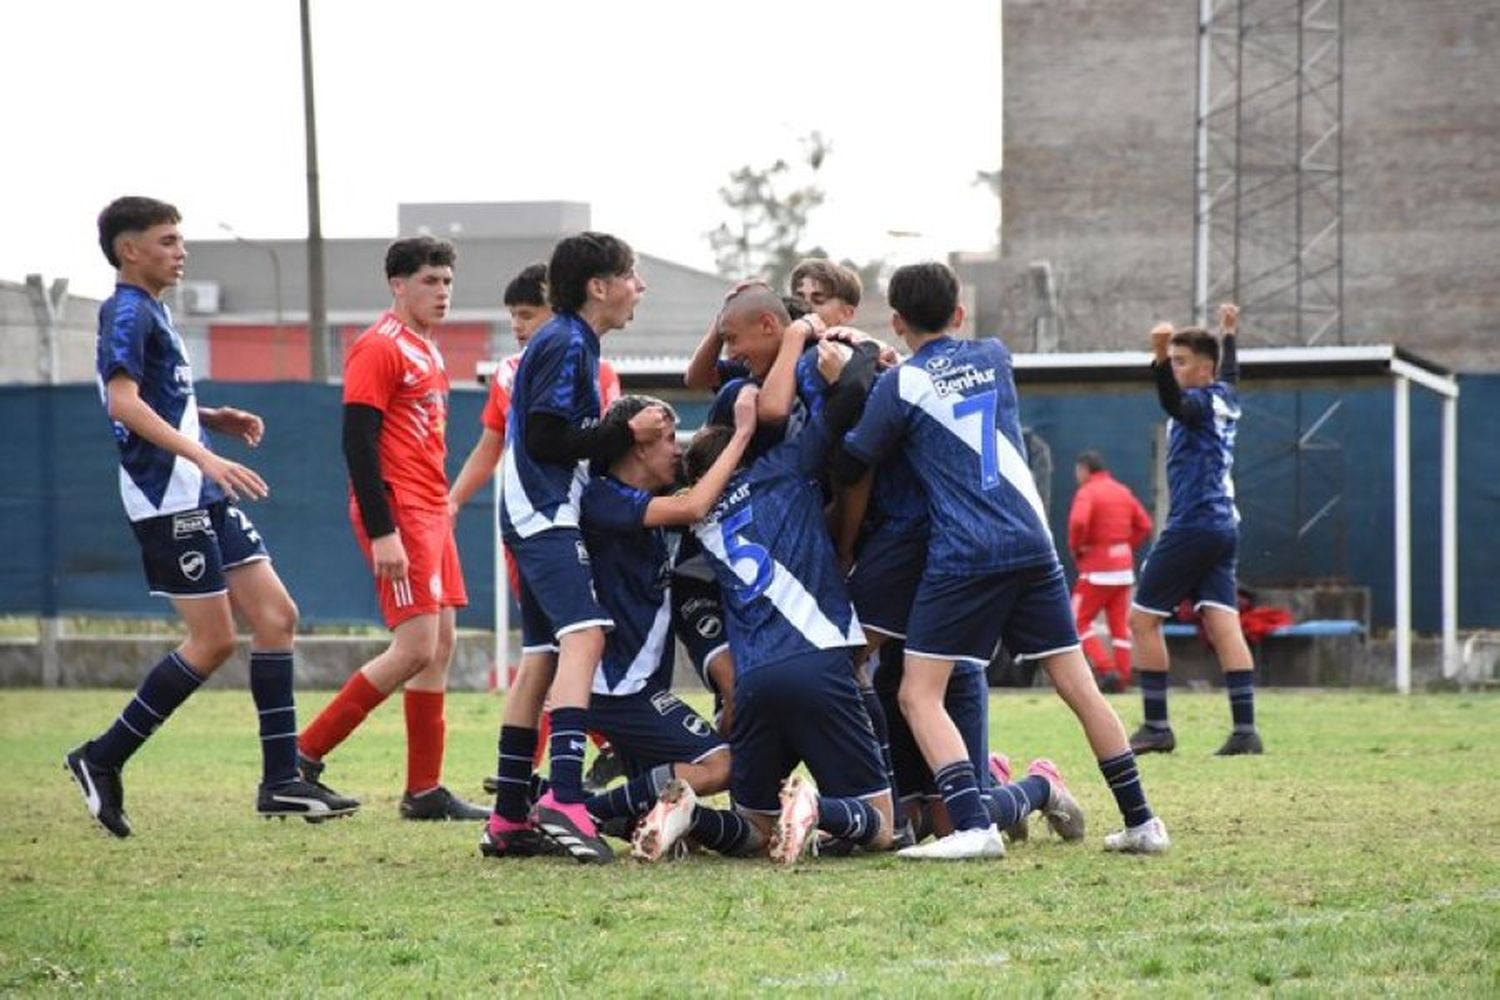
982,406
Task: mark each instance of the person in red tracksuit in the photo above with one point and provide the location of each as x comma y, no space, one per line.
1105,526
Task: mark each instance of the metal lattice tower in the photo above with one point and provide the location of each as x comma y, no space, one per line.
1268,213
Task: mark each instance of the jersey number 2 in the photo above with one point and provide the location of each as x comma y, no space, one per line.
983,407
740,549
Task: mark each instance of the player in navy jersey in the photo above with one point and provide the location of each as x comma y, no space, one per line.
200,550
1194,556
553,433
657,736
992,571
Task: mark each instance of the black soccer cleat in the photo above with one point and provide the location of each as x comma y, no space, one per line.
311,771
1149,740
438,804
606,767
102,791
312,802
520,842
1241,743
570,829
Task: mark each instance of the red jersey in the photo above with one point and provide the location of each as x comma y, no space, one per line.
497,404
1105,526
401,374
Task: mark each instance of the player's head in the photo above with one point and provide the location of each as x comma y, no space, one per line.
595,273
1195,357
140,239
420,273
651,465
1086,464
704,450
925,299
832,290
526,301
750,326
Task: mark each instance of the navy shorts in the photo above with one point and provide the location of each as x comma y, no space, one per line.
557,588
651,727
1189,563
186,554
698,621
966,617
802,709
967,701
884,580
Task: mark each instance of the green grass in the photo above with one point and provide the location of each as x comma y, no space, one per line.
1361,855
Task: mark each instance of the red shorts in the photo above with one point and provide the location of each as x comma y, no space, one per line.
434,578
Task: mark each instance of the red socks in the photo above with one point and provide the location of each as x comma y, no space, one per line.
425,734
357,699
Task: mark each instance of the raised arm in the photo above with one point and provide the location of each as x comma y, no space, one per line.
694,504
1229,360
703,369
1178,405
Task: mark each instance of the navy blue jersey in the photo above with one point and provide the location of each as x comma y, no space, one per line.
136,338
1200,458
952,409
632,563
769,548
558,374
896,496
807,401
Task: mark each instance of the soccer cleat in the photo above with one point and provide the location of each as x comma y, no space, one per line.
439,803
1062,812
606,767
569,826
102,791
669,819
1109,682
313,803
1241,743
1148,838
999,767
793,834
312,773
961,845
503,838
1149,740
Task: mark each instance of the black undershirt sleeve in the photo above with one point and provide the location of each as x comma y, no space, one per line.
842,410
1229,361
552,438
362,455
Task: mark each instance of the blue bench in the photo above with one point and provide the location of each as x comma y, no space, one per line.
1312,628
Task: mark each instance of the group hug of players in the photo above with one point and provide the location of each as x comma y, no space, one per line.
841,549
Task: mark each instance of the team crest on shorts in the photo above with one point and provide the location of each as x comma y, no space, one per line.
709,626
697,725
192,564
435,585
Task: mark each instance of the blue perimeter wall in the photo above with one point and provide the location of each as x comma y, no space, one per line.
70,550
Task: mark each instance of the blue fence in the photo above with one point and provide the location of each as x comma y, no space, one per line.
69,548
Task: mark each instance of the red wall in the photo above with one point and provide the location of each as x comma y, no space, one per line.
270,354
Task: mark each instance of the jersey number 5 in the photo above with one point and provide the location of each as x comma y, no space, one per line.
740,549
982,406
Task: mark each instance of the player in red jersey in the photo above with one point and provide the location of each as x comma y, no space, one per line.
1106,524
395,423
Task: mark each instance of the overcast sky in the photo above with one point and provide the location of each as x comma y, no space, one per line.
641,109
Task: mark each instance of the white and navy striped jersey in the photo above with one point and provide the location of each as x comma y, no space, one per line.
952,409
136,338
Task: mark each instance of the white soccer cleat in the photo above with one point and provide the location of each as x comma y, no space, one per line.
961,845
1148,838
793,834
669,819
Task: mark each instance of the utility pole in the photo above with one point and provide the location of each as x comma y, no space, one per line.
317,299
47,305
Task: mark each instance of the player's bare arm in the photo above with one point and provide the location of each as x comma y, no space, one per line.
228,420
478,468
780,386
126,406
694,504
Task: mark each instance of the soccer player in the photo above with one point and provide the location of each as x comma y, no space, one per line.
1194,556
832,290
624,521
394,435
1106,524
525,299
992,572
199,548
553,433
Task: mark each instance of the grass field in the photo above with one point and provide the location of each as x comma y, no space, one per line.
1361,855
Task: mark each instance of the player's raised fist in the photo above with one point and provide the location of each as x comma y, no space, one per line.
1161,337
744,409
649,424
1229,317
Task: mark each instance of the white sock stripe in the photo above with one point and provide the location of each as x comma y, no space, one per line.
141,702
512,781
126,723
274,711
279,736
516,756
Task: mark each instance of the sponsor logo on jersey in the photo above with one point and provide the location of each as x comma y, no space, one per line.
962,379
192,564
190,522
938,362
